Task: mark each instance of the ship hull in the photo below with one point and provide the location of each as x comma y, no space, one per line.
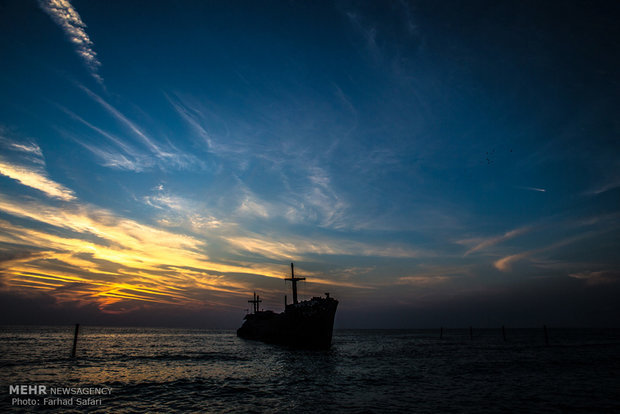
307,324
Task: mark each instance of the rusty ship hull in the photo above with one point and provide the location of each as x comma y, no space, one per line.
308,324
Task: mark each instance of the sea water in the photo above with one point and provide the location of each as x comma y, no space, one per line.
365,371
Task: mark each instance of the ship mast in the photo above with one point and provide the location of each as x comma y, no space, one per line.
294,280
255,302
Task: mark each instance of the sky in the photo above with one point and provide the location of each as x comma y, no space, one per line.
427,163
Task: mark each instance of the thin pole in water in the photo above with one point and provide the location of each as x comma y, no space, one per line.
77,328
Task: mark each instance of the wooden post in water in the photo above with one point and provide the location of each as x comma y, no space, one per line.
77,328
546,336
504,333
441,333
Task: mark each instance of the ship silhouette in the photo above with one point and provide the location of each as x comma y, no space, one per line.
307,324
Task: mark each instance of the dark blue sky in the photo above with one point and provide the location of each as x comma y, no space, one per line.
427,163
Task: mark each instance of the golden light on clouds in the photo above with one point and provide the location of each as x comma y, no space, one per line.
78,252
81,253
84,254
34,178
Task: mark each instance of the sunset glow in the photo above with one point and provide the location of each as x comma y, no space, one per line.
176,160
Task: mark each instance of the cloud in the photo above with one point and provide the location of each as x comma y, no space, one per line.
484,244
540,190
176,211
25,150
291,166
88,254
505,263
116,160
389,40
314,200
23,161
251,206
117,141
192,117
125,121
300,248
65,16
37,179
609,185
29,148
422,280
128,158
85,254
298,184
27,166
166,202
598,277
213,132
124,155
317,202
322,196
435,274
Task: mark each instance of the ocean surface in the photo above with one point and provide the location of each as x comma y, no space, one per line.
366,371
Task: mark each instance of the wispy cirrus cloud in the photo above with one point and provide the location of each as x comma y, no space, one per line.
540,190
137,131
138,152
505,263
489,242
27,166
117,160
597,277
36,178
175,211
377,35
212,133
611,184
115,140
317,202
122,156
26,150
301,248
192,116
31,149
65,16
251,206
311,196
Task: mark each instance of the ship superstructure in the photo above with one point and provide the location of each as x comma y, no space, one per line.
305,324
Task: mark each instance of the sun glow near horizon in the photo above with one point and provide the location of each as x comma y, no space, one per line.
84,253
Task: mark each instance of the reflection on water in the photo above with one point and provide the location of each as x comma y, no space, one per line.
373,371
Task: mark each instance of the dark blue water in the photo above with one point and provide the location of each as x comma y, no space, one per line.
167,370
